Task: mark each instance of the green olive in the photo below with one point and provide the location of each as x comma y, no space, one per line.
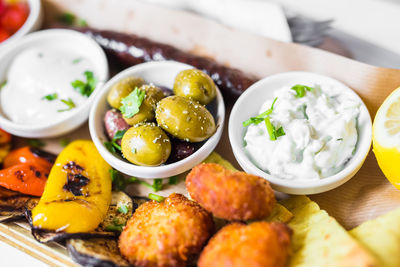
196,85
146,110
185,119
146,145
123,88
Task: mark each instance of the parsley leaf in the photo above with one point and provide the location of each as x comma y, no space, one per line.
131,104
3,83
173,180
157,184
272,132
118,180
50,97
112,145
35,143
76,60
85,88
64,142
69,103
301,90
304,108
155,197
82,23
261,117
115,227
67,18
123,209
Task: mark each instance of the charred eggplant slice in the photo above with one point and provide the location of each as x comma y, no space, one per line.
119,212
99,252
12,205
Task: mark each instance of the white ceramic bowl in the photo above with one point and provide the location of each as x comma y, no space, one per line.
74,40
161,73
32,23
250,102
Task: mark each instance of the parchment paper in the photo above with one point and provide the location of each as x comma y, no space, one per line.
365,196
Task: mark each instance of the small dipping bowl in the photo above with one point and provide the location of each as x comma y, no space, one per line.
74,40
249,104
160,73
32,23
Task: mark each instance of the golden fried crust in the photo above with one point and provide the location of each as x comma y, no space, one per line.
230,195
259,244
166,233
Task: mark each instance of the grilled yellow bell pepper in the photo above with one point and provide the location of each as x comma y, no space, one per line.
78,192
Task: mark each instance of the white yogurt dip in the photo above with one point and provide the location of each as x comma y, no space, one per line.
320,133
43,71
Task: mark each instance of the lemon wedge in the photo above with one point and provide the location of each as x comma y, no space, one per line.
386,137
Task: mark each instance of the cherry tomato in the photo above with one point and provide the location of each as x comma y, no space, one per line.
4,35
13,18
4,137
3,7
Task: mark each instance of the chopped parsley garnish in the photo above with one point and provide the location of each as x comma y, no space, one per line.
261,117
112,145
82,23
119,181
35,143
123,209
85,88
130,105
273,133
173,180
3,83
64,142
50,97
155,197
115,227
76,60
301,90
69,103
67,18
339,139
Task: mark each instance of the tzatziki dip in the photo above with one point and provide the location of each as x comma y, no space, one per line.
306,132
45,84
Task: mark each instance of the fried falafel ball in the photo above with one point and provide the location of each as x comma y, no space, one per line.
166,234
257,244
230,195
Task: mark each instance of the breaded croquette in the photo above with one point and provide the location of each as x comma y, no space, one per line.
230,195
166,234
259,244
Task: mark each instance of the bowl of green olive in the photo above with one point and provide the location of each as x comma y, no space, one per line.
157,119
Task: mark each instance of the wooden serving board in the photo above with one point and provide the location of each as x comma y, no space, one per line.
364,197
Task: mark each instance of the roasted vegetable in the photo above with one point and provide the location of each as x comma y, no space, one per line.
5,144
4,137
118,213
130,49
28,178
12,204
78,191
99,252
29,154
